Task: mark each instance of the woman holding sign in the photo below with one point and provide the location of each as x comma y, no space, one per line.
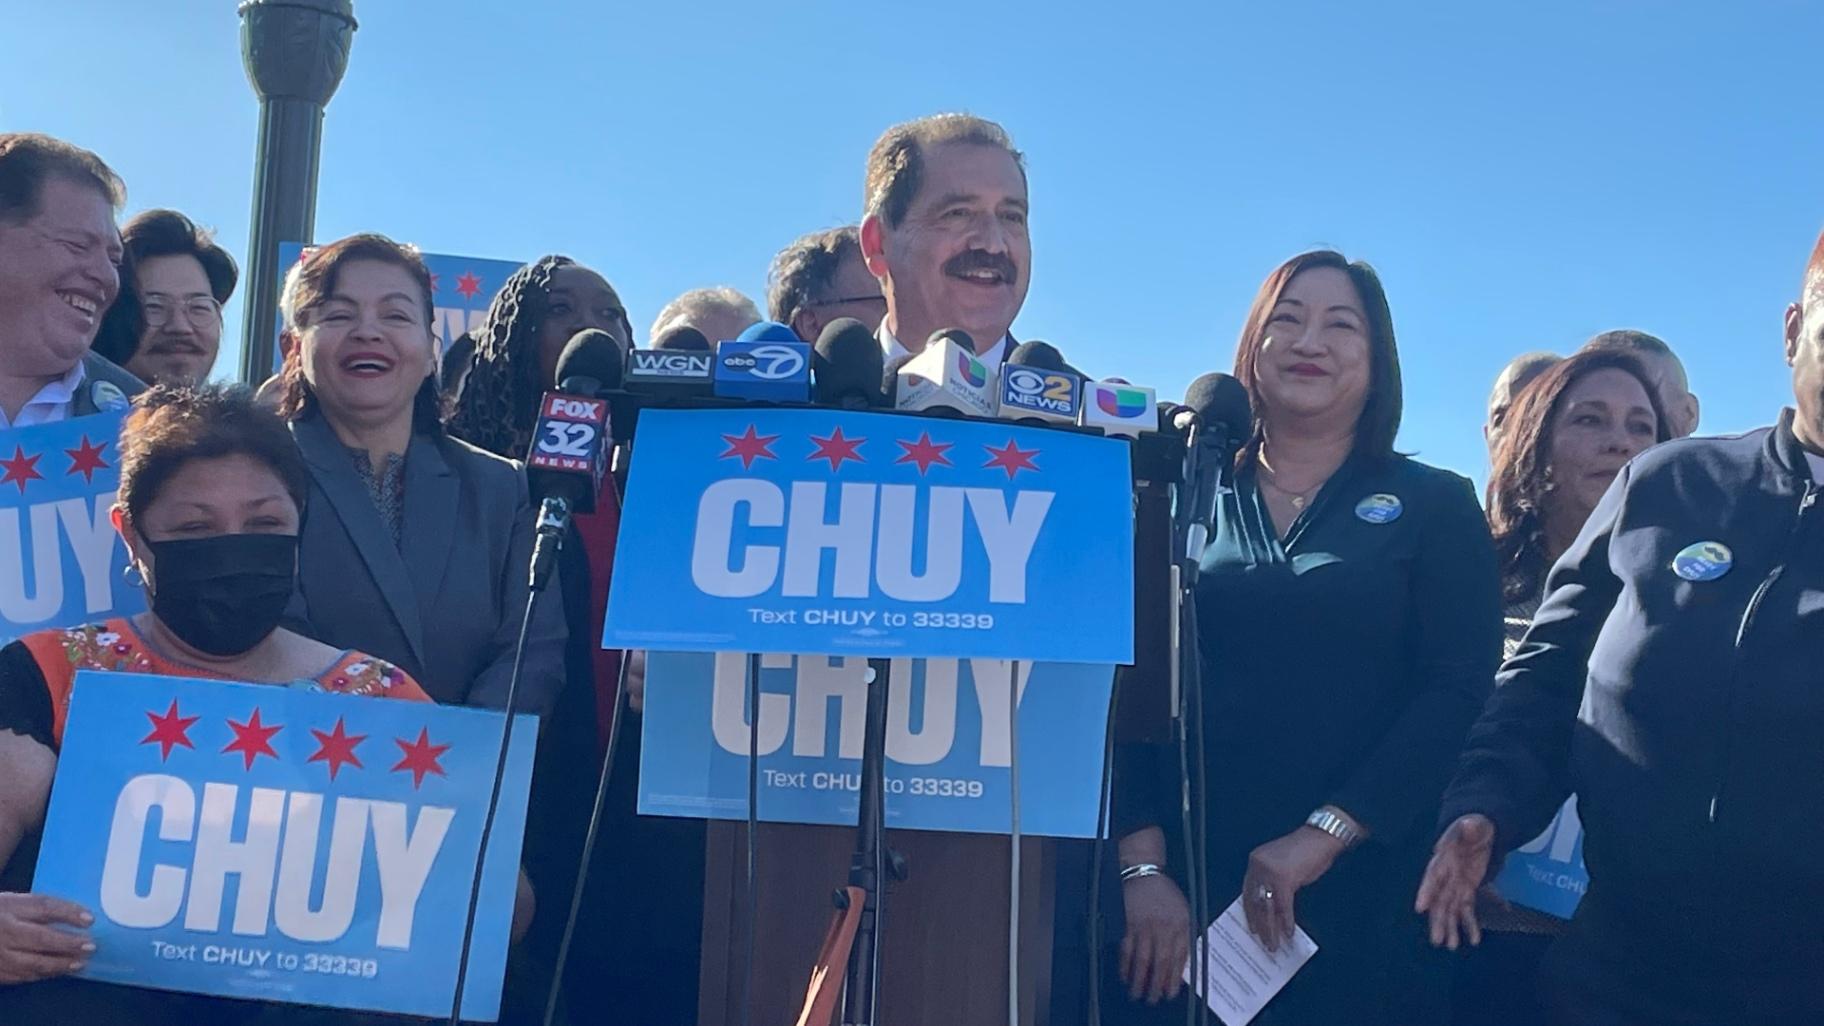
1349,620
1566,436
212,491
418,545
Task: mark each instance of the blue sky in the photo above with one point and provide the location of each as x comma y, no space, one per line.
1522,175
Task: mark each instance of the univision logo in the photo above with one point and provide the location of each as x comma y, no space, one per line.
972,369
1126,403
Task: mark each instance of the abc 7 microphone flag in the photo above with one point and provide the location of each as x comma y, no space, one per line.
846,533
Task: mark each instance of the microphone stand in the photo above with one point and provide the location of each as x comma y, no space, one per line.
873,860
553,521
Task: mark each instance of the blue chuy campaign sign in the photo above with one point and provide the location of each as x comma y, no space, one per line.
461,287
60,559
284,844
948,745
832,532
1547,873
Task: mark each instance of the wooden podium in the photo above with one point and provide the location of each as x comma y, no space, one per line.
943,946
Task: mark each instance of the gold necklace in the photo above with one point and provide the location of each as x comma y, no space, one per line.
1299,499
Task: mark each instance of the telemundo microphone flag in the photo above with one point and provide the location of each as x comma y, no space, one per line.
828,532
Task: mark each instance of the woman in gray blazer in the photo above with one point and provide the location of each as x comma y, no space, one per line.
416,545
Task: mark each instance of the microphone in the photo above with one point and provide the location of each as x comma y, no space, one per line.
889,377
1038,387
764,371
768,331
1218,420
848,367
683,336
565,464
1118,408
685,367
945,378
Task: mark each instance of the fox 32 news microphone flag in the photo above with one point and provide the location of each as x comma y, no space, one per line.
842,533
61,562
257,841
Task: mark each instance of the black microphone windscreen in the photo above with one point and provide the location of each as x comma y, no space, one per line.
957,335
1218,399
1042,355
683,337
849,366
594,354
889,376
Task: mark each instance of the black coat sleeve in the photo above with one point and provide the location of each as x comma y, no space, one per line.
1456,615
1515,764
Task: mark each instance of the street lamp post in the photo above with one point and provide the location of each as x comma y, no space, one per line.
295,52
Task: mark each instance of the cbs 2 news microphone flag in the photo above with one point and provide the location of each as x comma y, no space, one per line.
285,844
848,533
61,562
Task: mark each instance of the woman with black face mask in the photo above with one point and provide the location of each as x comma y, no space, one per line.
211,495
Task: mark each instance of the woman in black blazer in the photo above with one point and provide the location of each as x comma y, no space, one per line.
1349,622
417,545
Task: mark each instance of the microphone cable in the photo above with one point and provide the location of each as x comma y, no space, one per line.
753,830
487,822
1013,837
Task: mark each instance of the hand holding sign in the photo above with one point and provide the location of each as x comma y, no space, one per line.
32,946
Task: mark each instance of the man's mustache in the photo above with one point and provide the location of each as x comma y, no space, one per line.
982,260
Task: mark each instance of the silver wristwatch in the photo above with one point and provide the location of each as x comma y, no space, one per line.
1336,826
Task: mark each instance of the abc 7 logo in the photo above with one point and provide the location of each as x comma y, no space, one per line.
771,363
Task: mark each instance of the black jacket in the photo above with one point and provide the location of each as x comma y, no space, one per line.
1696,748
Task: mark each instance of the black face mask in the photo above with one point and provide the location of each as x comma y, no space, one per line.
223,595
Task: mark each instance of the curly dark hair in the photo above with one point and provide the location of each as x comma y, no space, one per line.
170,426
1522,465
499,404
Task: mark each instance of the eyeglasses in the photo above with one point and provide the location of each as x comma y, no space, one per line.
198,310
875,298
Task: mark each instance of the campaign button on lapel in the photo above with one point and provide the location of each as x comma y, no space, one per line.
1703,561
1379,508
107,396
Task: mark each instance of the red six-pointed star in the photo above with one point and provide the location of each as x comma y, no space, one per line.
1012,458
925,452
252,739
169,731
337,747
420,757
21,469
749,447
86,459
836,448
467,284
434,284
